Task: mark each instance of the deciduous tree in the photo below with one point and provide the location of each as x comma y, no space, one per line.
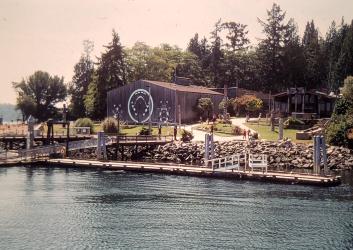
38,95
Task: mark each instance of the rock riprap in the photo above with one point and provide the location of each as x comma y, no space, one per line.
280,154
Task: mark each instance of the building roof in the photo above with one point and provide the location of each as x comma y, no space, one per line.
184,88
313,92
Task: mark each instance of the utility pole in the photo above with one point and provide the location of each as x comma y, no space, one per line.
149,111
179,116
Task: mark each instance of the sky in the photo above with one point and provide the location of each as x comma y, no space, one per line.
48,34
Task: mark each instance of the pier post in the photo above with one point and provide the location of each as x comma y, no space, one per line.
324,154
101,147
272,121
314,154
280,129
320,154
209,147
30,132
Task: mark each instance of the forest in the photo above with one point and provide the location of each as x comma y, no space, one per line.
280,59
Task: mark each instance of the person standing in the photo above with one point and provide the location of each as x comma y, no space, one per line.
175,132
159,131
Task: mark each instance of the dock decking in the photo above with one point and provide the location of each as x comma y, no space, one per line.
276,177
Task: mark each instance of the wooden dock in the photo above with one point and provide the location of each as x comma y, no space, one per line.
187,170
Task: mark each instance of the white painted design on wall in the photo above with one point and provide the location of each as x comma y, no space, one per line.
140,106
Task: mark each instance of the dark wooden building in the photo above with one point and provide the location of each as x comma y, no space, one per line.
304,104
160,102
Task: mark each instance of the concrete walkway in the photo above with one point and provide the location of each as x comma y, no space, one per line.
200,135
240,122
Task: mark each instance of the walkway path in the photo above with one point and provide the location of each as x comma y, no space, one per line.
200,135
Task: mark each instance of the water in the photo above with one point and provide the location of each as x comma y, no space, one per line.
43,208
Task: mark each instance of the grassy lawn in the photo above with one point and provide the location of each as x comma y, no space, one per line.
125,129
135,129
219,129
266,133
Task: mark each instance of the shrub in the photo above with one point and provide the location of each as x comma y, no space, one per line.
204,106
186,136
84,122
144,131
248,103
336,132
225,120
347,90
342,105
226,104
237,130
110,125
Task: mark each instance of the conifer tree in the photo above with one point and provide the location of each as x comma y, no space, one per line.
110,74
83,73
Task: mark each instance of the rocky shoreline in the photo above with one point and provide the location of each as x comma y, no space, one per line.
281,155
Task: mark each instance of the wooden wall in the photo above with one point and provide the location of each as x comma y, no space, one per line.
188,102
165,103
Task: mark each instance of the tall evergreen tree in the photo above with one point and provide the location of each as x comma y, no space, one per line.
271,48
331,50
216,65
235,58
194,46
236,36
83,73
293,57
314,74
345,60
110,74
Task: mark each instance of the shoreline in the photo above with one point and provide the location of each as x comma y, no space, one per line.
187,170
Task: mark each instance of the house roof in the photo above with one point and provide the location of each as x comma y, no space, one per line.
184,88
313,92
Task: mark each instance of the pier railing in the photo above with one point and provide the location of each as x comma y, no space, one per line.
40,152
90,143
224,163
143,138
258,162
251,162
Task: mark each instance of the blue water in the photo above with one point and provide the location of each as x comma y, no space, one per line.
54,208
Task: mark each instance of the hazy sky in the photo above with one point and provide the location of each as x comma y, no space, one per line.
47,34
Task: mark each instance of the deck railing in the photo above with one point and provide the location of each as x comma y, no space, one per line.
142,138
39,152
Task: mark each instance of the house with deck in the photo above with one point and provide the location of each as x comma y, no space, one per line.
303,104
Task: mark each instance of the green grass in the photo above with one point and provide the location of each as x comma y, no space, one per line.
219,129
135,130
126,130
266,133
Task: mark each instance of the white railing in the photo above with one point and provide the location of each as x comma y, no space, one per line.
258,162
224,163
41,151
90,143
253,162
59,148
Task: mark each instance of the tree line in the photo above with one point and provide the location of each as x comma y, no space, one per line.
281,59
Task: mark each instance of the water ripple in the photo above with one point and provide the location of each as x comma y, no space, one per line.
51,208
